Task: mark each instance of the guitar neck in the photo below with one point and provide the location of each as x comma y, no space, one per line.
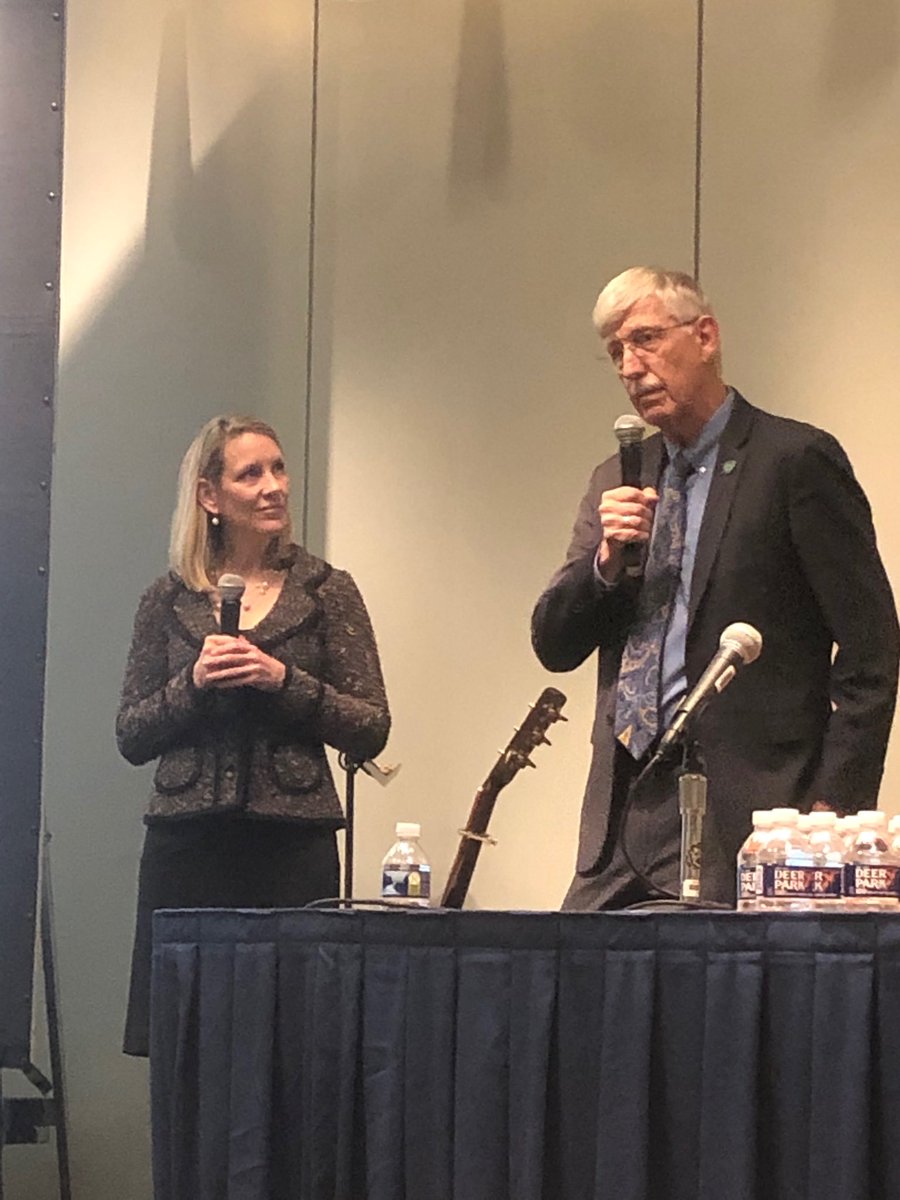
510,762
469,848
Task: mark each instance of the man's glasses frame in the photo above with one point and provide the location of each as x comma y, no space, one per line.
644,340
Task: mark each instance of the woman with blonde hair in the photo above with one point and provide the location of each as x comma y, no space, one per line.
243,811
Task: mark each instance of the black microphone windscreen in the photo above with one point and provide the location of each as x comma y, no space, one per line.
231,589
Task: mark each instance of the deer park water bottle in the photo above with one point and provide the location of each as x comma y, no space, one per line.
748,870
785,865
848,828
827,849
894,834
871,870
405,870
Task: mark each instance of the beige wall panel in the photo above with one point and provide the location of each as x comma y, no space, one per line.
183,294
800,230
484,167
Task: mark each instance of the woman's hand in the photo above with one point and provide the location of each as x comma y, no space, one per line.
230,662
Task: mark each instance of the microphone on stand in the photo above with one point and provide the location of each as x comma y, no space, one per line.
380,774
629,431
231,589
739,645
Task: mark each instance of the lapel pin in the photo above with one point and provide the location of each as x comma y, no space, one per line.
728,467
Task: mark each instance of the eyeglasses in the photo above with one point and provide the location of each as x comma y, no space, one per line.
645,340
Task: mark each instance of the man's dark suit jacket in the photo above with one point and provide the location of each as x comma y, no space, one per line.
786,544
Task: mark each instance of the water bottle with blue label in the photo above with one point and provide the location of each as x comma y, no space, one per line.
749,872
405,870
827,849
786,866
872,870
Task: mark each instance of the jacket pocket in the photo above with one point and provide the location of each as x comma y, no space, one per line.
295,769
178,770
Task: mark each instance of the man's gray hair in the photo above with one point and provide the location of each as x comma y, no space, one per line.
680,293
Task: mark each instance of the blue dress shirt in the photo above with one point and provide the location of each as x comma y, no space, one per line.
702,457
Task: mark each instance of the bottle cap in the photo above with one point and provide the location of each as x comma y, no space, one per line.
870,817
407,829
823,820
785,816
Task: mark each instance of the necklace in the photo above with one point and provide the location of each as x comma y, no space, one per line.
258,587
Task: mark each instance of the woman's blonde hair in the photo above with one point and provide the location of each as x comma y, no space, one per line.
195,545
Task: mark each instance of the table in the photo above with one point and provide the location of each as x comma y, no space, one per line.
441,1055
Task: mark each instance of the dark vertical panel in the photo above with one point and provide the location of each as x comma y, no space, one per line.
31,81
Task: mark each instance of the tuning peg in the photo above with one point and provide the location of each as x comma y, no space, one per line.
528,762
545,741
560,717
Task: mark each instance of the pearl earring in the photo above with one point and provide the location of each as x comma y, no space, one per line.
214,521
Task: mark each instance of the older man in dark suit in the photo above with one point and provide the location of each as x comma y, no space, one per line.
769,527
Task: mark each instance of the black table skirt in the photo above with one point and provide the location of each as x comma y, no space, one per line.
525,1056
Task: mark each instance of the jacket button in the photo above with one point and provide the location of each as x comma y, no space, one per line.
229,772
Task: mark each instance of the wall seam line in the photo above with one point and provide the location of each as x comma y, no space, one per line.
698,138
310,270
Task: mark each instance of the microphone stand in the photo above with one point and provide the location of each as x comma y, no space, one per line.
739,644
692,787
350,766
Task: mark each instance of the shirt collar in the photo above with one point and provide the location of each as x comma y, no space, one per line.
709,435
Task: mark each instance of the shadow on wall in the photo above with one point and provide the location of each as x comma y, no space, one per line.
480,153
189,330
196,322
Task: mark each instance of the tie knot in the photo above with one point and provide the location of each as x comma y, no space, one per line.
681,466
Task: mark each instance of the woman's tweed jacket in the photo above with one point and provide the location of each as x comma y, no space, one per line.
246,750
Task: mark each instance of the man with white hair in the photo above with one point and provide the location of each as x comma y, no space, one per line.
740,516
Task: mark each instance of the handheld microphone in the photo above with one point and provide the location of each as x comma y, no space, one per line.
629,431
739,644
231,589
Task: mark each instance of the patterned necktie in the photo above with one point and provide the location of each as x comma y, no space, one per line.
637,701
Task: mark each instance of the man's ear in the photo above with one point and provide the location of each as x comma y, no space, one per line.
206,497
708,331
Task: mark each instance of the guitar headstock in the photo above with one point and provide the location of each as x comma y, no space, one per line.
531,733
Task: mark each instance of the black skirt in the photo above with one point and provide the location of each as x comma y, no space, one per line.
222,862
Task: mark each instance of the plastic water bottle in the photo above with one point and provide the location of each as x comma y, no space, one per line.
405,870
827,849
894,839
785,865
894,835
848,827
749,876
871,870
